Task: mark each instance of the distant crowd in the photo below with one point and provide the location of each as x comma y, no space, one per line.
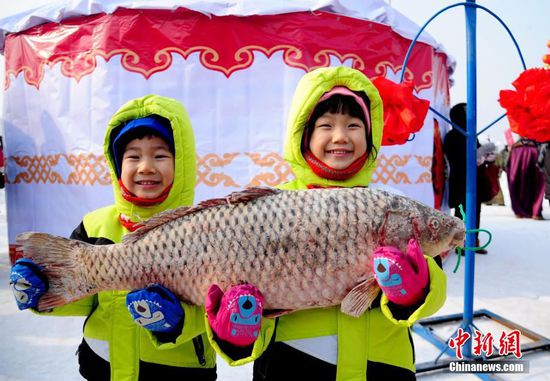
525,162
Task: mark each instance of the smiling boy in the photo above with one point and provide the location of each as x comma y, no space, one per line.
145,334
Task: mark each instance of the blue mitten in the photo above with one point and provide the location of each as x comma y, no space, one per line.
155,308
27,283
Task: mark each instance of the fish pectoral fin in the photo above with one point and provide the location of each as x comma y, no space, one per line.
360,298
275,313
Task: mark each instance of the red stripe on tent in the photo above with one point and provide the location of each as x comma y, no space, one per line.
146,41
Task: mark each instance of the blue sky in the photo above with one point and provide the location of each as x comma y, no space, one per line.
497,59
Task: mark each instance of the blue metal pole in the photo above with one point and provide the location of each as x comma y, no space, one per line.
471,170
471,149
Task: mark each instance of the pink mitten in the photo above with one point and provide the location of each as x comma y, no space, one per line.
403,277
236,315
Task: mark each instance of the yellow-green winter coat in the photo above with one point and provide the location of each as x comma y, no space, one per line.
109,329
376,336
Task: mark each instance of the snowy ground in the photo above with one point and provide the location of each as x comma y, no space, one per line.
511,281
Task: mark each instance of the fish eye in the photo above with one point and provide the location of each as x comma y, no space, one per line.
434,223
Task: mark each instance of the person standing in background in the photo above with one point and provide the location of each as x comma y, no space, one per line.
487,157
454,147
525,180
544,165
501,162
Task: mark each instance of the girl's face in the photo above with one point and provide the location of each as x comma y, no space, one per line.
338,139
147,167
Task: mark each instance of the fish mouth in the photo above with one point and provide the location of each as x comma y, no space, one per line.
458,238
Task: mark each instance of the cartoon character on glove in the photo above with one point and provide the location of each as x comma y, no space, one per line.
235,316
155,308
403,277
28,283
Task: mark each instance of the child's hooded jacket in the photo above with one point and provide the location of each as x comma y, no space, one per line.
134,352
376,337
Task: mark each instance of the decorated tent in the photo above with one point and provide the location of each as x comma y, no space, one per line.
233,64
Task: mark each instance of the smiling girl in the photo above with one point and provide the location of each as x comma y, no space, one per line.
334,132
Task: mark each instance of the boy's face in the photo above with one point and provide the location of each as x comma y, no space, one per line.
147,167
338,139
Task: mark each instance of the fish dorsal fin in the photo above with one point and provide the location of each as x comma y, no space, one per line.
161,218
360,298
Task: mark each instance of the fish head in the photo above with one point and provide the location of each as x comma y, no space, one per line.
437,232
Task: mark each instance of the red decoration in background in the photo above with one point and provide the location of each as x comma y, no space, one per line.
528,107
404,113
146,41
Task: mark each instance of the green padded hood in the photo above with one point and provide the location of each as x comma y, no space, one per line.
183,188
310,89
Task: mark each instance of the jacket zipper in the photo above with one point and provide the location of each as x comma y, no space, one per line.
199,350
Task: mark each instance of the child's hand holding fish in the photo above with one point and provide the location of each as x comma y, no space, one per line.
235,316
27,283
155,308
403,277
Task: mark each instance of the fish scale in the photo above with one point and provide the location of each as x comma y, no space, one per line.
302,249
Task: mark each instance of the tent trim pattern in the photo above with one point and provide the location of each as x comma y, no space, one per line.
90,169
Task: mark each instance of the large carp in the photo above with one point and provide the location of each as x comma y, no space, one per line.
302,249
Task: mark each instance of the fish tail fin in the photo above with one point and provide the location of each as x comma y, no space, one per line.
60,261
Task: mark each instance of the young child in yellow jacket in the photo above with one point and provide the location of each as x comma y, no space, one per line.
334,133
150,149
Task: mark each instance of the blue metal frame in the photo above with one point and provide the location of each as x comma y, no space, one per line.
469,3
471,179
471,147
